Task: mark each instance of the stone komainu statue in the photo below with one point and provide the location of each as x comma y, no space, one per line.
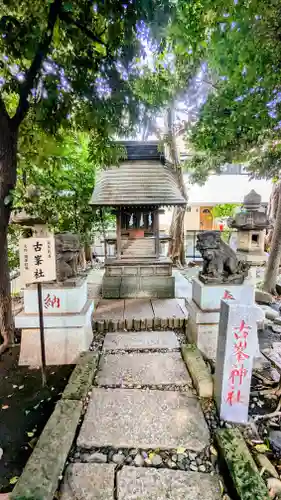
220,263
67,255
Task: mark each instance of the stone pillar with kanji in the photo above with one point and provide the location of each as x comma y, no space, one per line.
236,349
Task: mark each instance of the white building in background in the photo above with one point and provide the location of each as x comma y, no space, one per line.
219,189
231,186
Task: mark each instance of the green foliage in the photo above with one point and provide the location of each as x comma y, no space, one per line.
241,119
77,59
224,210
13,248
63,170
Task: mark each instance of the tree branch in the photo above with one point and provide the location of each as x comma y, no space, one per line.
64,16
211,84
36,64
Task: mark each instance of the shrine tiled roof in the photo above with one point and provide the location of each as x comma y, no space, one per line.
139,182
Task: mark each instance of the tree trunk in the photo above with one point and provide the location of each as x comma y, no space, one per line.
177,243
273,263
88,252
272,211
176,246
8,173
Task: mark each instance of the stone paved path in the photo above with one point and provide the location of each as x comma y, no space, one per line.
144,436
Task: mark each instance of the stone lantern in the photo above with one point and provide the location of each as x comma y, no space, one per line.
251,223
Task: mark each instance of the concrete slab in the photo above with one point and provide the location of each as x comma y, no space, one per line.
138,308
125,418
154,484
109,309
143,369
88,482
167,308
140,340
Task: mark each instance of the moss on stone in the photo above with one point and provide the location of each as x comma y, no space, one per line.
198,370
82,376
241,465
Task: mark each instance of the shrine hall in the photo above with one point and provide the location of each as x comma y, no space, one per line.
137,264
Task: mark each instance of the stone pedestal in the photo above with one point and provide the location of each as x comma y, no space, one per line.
204,311
138,278
67,323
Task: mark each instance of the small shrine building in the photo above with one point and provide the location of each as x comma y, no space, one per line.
135,191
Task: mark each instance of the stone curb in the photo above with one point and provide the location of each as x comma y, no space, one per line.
40,477
198,370
240,463
82,377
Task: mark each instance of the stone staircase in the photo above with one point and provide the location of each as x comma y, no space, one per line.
138,247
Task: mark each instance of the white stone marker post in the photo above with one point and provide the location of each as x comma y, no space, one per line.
236,349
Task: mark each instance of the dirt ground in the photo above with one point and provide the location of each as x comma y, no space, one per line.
24,410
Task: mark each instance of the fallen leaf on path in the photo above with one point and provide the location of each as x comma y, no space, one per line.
5,407
213,450
32,442
262,448
1,453
30,434
21,387
14,386
180,451
14,480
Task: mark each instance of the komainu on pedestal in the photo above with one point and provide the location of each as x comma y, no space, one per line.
220,262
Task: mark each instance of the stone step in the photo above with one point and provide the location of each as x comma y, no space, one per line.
97,481
131,369
140,340
130,418
135,324
153,484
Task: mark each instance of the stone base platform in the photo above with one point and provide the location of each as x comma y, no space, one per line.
203,330
139,315
124,287
204,312
67,297
66,336
138,278
208,297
